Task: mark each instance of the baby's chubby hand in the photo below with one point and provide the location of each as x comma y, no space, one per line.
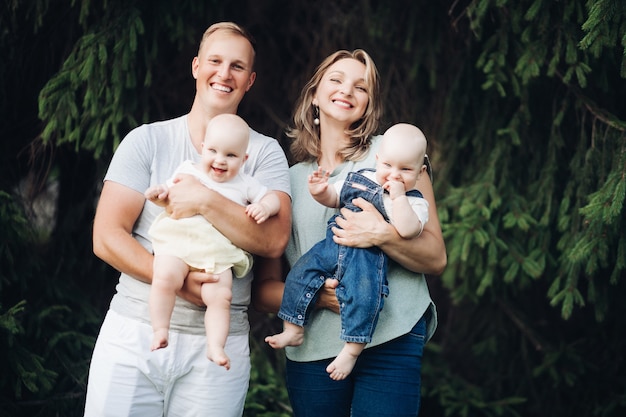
157,193
318,181
395,189
258,212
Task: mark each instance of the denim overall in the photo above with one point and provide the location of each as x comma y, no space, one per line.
361,272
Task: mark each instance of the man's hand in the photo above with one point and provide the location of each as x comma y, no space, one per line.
185,197
327,296
192,286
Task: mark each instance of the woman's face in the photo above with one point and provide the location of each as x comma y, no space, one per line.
342,94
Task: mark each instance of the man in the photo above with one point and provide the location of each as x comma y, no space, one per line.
126,378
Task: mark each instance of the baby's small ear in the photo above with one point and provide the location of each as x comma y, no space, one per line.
428,166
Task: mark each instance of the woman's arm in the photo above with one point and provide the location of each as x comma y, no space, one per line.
189,197
425,253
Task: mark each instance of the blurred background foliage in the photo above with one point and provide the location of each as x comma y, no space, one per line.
523,103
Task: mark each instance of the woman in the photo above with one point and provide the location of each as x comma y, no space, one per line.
334,120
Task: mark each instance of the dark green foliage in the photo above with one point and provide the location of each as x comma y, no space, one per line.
522,103
535,221
267,396
42,337
553,157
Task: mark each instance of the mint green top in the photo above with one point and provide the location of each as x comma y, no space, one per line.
408,291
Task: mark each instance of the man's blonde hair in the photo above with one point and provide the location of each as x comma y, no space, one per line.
232,28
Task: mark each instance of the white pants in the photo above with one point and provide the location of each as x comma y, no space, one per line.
127,379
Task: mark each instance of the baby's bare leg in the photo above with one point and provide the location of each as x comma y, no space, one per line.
217,296
343,364
292,335
169,276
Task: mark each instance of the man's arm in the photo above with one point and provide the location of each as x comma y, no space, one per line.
118,210
269,284
189,197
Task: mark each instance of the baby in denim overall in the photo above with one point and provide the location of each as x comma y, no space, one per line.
361,272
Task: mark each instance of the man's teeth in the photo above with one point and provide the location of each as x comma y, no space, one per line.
222,88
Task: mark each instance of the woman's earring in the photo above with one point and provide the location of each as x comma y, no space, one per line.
316,115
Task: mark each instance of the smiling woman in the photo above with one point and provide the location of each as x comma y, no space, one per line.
360,273
341,95
386,379
307,132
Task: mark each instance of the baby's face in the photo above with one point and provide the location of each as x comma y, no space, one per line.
223,155
394,164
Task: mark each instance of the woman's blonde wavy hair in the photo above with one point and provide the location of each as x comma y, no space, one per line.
306,135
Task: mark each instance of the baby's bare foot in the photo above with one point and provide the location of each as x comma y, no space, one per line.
159,339
286,338
341,367
217,355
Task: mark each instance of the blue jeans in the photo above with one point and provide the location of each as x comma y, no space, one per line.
386,381
361,272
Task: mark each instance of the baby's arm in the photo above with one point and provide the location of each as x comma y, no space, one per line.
268,206
320,190
404,218
157,194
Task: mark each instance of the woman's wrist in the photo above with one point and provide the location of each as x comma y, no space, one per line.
384,234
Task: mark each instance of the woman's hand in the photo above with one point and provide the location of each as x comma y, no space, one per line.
362,229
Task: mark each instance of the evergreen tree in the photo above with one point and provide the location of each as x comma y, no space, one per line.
522,103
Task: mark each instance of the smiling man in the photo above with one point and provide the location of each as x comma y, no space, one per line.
126,378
